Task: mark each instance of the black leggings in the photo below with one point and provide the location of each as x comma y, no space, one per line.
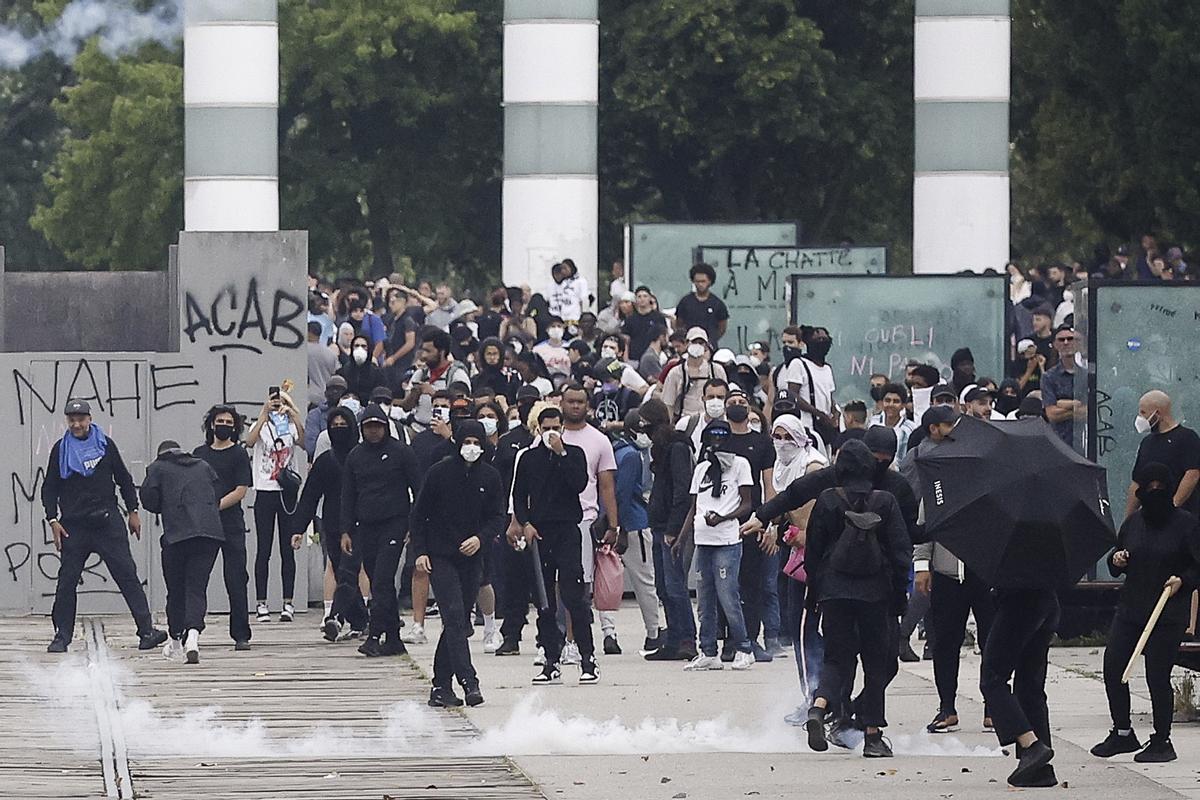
270,517
1159,656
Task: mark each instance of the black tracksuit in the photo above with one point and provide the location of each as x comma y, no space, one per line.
670,501
87,509
1155,554
457,501
378,481
513,592
546,489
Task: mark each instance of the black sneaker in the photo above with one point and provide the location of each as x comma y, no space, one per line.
1116,744
815,725
478,619
907,654
944,722
241,645
650,645
664,653
728,652
443,697
927,653
611,647
1033,760
58,644
1158,751
392,646
588,671
371,647
472,695
845,734
509,647
549,676
1043,778
431,610
875,746
151,640
330,629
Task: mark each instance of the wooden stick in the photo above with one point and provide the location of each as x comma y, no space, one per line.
1191,629
1145,637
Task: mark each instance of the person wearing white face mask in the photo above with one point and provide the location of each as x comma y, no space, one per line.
553,351
684,385
716,391
1166,442
461,507
362,375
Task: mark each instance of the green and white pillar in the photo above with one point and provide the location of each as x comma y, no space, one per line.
231,112
551,89
961,54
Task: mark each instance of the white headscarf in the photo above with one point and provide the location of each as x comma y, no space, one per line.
787,471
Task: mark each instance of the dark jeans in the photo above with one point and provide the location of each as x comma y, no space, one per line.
237,580
856,628
271,523
378,545
950,603
562,568
110,541
513,602
670,578
807,642
771,607
186,568
455,581
1018,648
750,589
347,604
1159,656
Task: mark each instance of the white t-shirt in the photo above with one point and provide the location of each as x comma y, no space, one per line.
732,479
558,361
267,456
823,385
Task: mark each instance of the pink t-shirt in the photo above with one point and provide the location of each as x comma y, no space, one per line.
599,452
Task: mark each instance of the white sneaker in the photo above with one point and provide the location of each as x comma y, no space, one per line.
570,654
288,613
264,613
540,659
742,660
492,642
173,650
414,635
191,646
702,663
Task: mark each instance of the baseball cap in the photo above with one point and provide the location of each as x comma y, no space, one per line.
723,356
785,399
1024,345
627,297
338,381
936,415
78,407
697,333
942,390
372,414
880,439
381,393
528,393
975,392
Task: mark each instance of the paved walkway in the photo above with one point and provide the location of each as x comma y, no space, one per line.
299,718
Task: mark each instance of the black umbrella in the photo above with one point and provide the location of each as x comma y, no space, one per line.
1016,504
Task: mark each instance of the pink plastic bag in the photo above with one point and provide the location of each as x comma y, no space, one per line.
794,568
609,579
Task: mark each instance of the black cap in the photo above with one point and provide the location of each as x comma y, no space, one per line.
381,393
784,398
718,427
942,390
78,407
1030,407
936,415
880,439
373,413
977,392
528,393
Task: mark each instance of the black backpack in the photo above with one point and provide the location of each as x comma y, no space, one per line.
857,552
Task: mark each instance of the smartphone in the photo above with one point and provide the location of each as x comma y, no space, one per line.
273,392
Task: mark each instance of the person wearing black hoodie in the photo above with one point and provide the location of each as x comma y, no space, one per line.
491,370
324,486
550,477
186,492
514,601
360,371
962,369
857,555
379,478
1158,547
462,505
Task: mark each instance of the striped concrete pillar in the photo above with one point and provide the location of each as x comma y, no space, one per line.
551,85
231,112
960,180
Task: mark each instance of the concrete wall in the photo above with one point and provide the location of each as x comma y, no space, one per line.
240,306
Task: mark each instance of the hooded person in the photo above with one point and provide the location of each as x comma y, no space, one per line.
795,455
379,480
857,556
962,369
345,611
185,491
462,505
335,389
1158,548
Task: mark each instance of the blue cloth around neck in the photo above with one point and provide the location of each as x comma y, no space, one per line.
80,456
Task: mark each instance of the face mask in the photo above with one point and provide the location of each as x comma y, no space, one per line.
490,425
695,350
737,413
1157,505
546,437
223,433
756,425
819,348
790,353
340,438
471,452
714,408
609,388
786,451
360,355
1142,424
755,362
554,333
876,393
642,441
608,352
352,404
442,413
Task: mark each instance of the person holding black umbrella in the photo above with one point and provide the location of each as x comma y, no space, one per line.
1158,548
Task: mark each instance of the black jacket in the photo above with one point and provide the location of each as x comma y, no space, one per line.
324,483
88,500
186,492
808,487
1156,554
361,381
378,483
671,493
430,448
457,501
511,443
546,486
825,525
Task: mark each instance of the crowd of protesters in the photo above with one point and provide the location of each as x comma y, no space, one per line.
531,452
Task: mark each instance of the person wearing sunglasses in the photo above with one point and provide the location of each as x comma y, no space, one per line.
1058,387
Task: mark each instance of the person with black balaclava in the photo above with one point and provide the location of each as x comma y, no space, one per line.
857,557
962,369
462,505
379,478
811,384
1158,548
346,614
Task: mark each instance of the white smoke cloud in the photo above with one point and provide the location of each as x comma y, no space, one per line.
120,27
